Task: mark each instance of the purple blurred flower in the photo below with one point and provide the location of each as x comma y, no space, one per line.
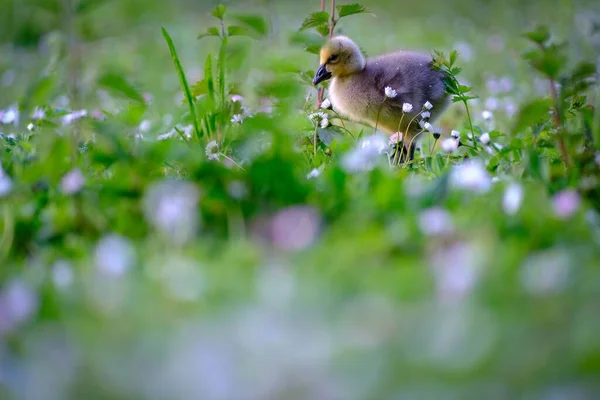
18,301
565,203
114,255
295,228
436,222
72,182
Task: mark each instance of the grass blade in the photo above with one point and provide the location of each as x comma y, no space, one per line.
183,80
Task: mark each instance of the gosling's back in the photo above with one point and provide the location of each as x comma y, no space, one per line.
359,96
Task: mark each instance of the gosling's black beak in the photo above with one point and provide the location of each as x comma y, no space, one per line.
321,75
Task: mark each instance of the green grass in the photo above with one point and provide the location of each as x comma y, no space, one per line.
170,273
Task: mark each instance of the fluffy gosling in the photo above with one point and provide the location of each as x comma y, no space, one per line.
378,91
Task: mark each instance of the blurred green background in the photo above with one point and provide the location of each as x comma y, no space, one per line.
125,35
367,311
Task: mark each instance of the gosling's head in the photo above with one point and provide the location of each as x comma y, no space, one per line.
340,56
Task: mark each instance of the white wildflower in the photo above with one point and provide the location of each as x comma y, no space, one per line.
389,92
513,196
313,173
317,117
324,123
167,135
428,127
455,134
236,98
75,115
246,112
10,116
407,107
449,145
145,125
485,138
237,119
471,175
487,115
325,104
427,106
395,138
30,127
365,154
38,113
72,182
425,115
212,150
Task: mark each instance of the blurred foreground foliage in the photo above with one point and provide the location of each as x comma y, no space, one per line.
212,251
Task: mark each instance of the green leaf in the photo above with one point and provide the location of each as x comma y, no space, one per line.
531,114
311,42
133,114
219,11
453,57
88,5
233,30
221,70
212,31
350,9
117,83
549,61
323,29
256,23
183,81
315,19
540,35
199,88
307,76
39,92
537,166
208,77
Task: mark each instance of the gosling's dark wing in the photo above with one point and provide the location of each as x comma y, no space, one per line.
411,75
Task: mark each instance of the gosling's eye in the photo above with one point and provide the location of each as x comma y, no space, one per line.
332,58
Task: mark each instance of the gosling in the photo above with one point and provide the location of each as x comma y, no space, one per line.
358,88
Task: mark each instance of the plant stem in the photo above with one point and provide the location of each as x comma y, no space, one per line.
411,142
74,71
315,145
470,119
558,123
332,20
433,147
378,112
231,159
